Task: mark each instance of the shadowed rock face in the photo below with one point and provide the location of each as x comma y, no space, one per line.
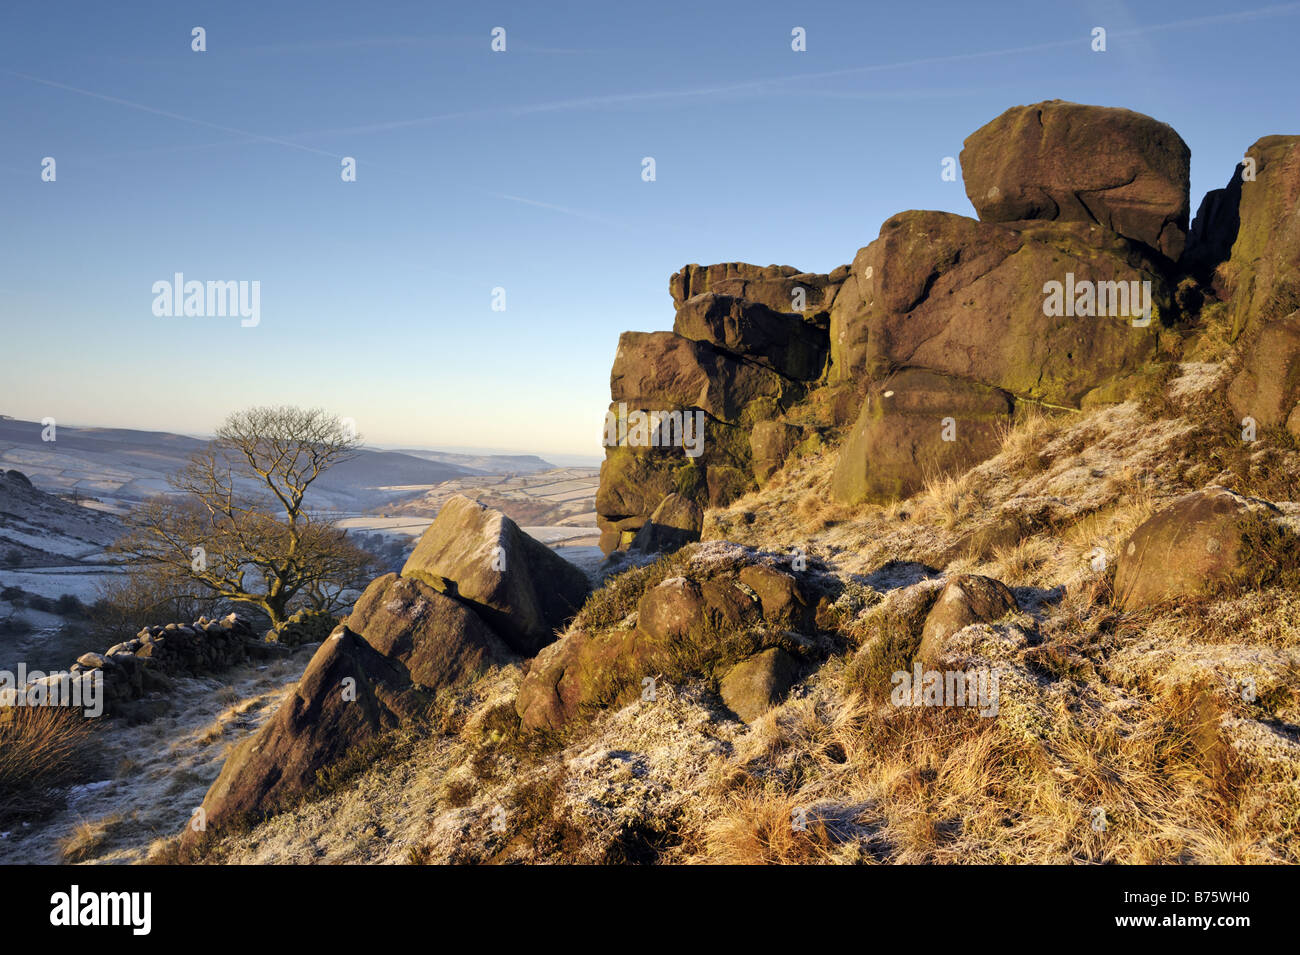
1247,236
662,370
1203,542
349,694
784,342
1268,386
520,586
899,440
1069,162
676,522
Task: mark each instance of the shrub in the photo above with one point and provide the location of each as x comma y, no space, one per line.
69,605
14,625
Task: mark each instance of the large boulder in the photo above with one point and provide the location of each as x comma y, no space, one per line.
518,585
1246,237
972,300
349,695
435,640
1203,542
1268,386
902,436
965,599
1070,162
781,341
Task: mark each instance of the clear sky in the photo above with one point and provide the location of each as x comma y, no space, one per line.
519,170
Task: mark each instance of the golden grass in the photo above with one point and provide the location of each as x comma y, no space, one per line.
41,748
87,839
1158,785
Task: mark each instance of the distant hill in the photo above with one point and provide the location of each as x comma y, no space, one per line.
123,466
38,529
485,463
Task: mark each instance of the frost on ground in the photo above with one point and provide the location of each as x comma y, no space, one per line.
143,781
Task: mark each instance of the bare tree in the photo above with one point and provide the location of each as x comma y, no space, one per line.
241,528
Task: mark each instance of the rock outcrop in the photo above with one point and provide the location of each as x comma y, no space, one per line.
1069,162
746,345
915,426
969,299
1058,294
676,522
1267,388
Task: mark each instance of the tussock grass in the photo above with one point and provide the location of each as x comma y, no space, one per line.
42,748
87,839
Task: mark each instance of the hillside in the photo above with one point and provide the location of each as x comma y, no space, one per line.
1141,715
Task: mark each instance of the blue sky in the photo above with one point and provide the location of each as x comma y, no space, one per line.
519,170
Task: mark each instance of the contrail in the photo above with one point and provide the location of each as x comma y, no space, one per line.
616,99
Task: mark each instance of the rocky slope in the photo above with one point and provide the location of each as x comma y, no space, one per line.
1053,451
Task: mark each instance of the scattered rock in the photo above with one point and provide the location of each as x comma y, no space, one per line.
964,600
1201,543
754,686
